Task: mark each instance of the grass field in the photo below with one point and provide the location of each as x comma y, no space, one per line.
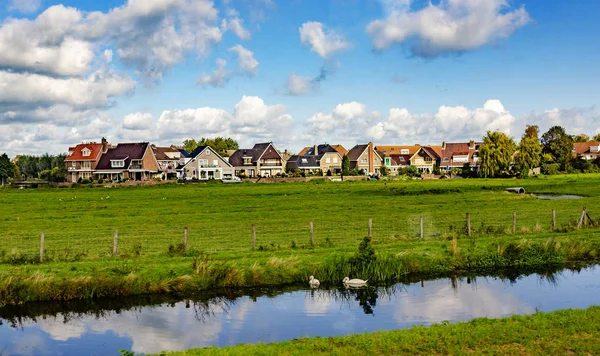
79,225
565,332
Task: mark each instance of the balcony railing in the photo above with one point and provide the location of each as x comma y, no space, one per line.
270,164
207,165
135,166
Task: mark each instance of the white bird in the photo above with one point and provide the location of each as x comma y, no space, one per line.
314,283
59,199
354,282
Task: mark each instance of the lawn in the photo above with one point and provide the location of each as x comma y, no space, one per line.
79,226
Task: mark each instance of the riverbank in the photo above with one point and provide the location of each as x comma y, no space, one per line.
181,275
564,332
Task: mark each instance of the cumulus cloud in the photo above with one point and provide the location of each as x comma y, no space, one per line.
245,59
299,85
24,6
220,76
235,24
348,122
322,41
574,120
452,26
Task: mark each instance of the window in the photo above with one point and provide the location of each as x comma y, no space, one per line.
247,160
327,160
304,160
446,159
216,162
387,161
335,160
404,151
427,159
401,159
364,160
203,162
375,160
208,152
117,163
85,164
86,152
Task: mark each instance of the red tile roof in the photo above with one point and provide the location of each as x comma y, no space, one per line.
580,148
77,155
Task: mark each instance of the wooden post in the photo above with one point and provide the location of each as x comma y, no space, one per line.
514,221
553,220
115,239
370,227
312,234
581,219
185,238
253,236
469,224
42,248
585,216
422,228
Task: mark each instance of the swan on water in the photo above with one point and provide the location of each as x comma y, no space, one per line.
314,283
355,282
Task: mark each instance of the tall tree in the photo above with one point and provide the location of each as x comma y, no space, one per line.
345,165
6,168
597,137
557,143
581,138
219,144
529,155
495,154
190,144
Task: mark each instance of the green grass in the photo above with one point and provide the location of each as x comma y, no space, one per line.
565,332
79,226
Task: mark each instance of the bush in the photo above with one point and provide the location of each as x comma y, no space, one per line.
85,181
550,168
100,181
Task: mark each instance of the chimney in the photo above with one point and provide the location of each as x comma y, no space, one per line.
316,150
371,157
471,145
444,145
104,145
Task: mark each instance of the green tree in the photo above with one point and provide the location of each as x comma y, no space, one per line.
580,138
557,143
384,171
495,154
190,144
220,144
345,165
597,137
529,154
6,168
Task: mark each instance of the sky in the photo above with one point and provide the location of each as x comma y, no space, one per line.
296,72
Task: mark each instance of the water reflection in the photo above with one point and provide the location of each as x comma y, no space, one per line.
153,324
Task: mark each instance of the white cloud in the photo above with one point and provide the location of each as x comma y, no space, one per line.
348,122
246,61
138,121
452,26
575,120
235,24
108,55
322,41
220,76
299,85
24,6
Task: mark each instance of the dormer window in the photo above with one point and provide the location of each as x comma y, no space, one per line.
117,163
304,160
404,151
86,152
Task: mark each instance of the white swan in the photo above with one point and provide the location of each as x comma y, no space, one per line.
314,283
354,282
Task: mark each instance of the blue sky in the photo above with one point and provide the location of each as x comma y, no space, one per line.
395,71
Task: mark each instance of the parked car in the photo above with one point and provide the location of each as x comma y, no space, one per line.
233,179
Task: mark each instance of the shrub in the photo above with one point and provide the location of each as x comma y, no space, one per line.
85,181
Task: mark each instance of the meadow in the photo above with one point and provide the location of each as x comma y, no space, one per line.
79,225
564,332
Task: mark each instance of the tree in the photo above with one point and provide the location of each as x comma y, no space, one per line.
220,144
384,171
6,168
345,165
190,144
495,154
597,137
557,143
529,154
581,138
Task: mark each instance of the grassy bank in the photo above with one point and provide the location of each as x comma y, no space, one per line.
564,332
79,226
182,275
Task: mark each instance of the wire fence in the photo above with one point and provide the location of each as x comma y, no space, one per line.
280,233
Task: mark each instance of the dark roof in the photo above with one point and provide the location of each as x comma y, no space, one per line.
308,161
401,160
356,151
197,151
184,153
127,151
161,152
431,152
237,158
321,150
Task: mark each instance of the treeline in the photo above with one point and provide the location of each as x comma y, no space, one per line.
219,144
552,153
24,167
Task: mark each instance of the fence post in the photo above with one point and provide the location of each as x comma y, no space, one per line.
469,224
115,239
370,227
422,228
553,220
312,234
581,219
253,236
514,221
42,248
585,216
185,238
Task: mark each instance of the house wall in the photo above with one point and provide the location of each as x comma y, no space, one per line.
149,162
369,167
335,162
192,169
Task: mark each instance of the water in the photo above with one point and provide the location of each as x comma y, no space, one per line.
558,196
103,327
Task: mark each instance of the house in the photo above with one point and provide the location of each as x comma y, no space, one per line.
423,158
318,157
134,161
168,160
339,148
365,158
587,150
262,160
83,160
205,164
456,155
